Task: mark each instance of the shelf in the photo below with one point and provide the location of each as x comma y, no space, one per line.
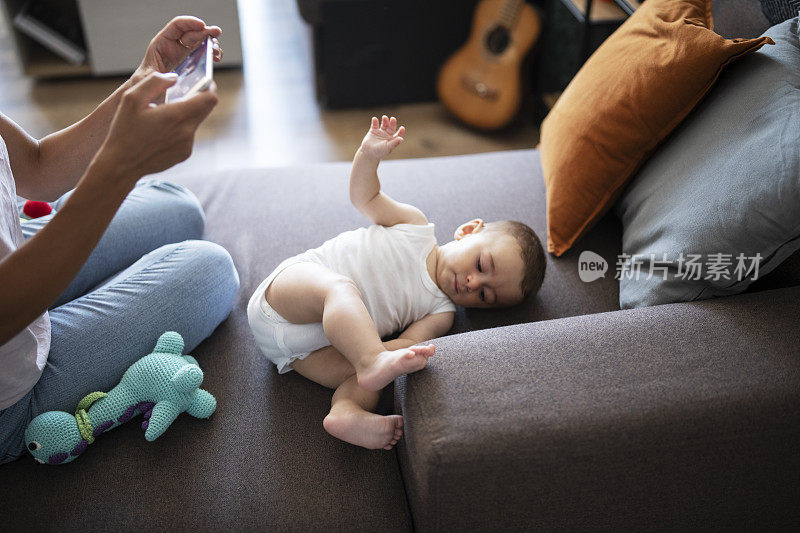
117,32
34,59
41,63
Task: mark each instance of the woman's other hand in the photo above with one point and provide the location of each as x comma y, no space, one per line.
174,43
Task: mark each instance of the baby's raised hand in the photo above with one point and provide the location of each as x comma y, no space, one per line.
382,137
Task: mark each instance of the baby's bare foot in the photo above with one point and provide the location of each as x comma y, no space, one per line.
391,364
363,428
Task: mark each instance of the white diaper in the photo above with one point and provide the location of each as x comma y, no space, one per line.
281,341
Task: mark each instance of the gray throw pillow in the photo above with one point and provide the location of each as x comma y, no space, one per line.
721,197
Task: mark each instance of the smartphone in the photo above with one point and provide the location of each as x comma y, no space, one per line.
194,74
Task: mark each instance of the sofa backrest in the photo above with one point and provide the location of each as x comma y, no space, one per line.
739,18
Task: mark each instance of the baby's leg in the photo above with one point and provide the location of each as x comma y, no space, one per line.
351,418
305,293
326,367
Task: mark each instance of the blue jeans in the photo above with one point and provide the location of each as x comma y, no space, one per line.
148,274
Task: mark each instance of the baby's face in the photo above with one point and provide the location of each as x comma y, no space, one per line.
483,269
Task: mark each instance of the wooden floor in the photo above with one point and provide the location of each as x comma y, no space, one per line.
267,114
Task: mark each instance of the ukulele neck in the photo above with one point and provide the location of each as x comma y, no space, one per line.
509,12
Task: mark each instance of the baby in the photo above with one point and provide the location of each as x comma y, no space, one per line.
323,312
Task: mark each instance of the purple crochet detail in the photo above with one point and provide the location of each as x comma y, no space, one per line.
79,448
57,458
105,426
127,415
145,423
145,406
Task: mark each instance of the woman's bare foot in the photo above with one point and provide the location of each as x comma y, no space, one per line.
391,364
362,428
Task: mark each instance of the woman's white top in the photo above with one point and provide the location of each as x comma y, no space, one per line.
22,359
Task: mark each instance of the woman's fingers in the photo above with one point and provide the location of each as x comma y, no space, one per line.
151,87
178,26
191,31
145,139
217,50
191,39
198,107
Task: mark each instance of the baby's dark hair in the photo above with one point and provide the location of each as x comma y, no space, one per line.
532,253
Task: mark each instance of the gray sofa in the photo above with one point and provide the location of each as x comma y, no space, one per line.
562,413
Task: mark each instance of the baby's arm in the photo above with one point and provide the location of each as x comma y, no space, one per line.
365,188
427,328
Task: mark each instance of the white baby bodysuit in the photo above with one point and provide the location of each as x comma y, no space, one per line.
388,265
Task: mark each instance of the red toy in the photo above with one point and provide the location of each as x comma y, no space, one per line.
36,209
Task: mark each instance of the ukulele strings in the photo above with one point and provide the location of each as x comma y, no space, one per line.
509,12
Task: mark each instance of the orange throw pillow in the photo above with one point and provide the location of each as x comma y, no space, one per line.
631,93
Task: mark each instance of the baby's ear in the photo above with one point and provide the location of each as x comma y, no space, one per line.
467,228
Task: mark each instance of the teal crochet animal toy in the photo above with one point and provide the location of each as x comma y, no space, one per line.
160,386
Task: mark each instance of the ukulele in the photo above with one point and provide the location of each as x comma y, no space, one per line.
480,83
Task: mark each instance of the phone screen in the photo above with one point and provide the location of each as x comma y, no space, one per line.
194,74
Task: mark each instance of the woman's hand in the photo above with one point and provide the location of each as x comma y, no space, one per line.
174,43
145,138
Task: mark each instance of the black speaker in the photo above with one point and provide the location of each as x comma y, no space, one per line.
376,52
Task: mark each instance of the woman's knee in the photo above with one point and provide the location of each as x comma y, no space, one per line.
175,205
214,267
201,290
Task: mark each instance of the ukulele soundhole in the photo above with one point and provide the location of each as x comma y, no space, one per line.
497,40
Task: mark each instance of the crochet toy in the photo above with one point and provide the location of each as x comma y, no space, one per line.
160,386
